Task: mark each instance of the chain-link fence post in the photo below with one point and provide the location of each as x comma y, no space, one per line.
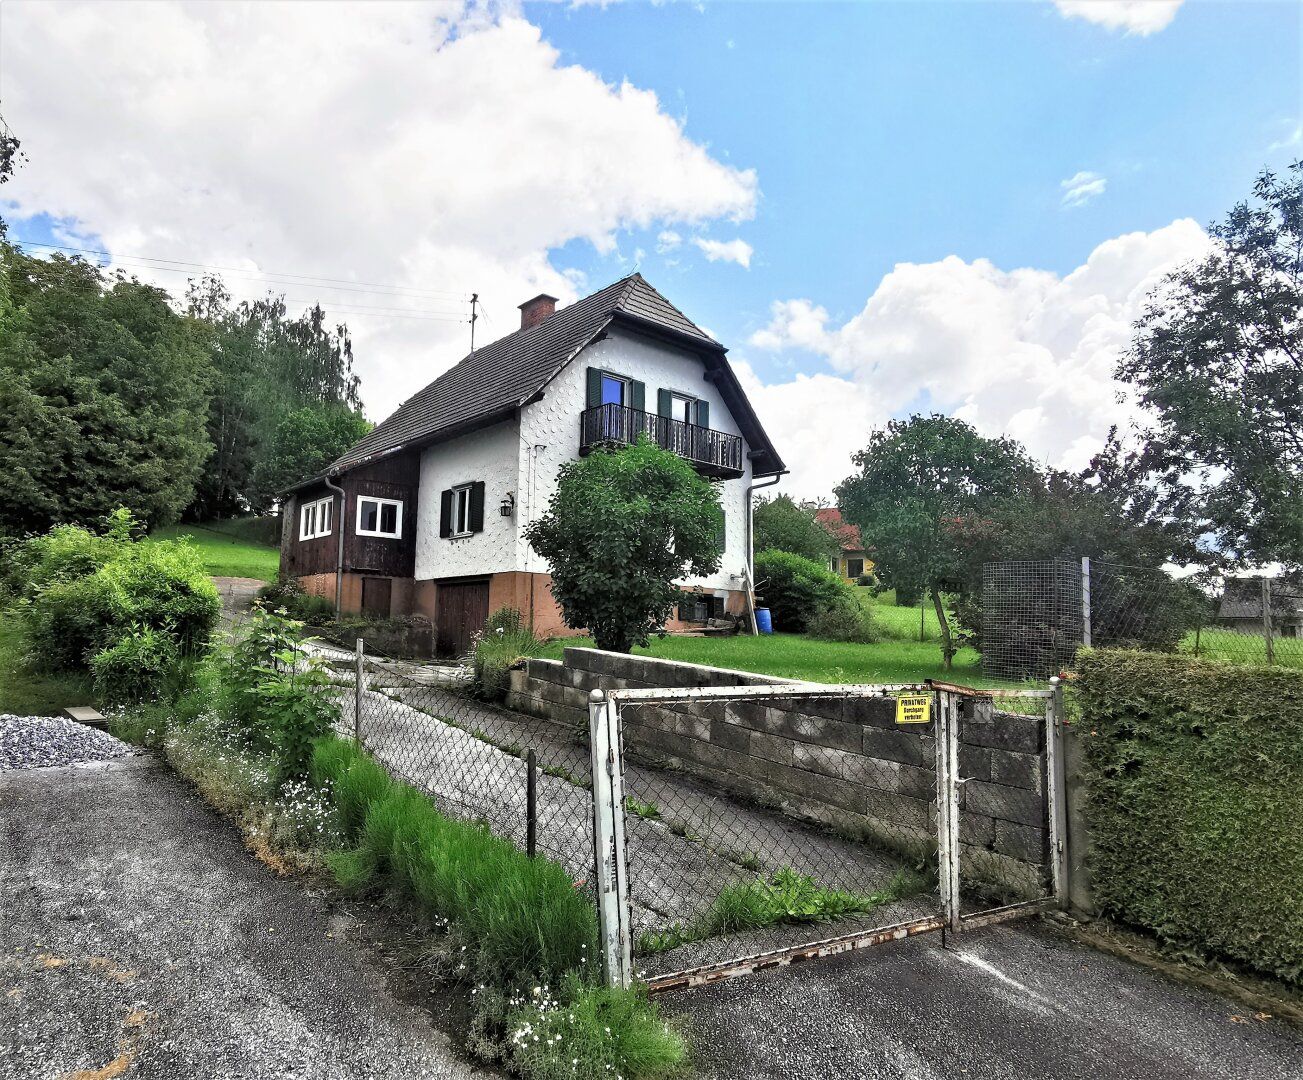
1085,601
947,753
608,840
1057,789
359,678
1266,619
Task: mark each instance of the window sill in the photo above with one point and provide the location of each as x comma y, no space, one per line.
379,535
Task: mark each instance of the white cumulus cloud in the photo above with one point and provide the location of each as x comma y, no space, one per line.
430,146
1082,187
1026,353
667,240
1142,17
734,251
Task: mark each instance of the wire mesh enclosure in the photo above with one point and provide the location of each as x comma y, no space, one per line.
1035,615
526,779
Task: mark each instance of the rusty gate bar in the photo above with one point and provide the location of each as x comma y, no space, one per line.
731,969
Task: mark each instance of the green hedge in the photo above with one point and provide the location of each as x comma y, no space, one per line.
1195,802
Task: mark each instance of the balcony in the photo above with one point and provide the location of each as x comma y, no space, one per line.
714,453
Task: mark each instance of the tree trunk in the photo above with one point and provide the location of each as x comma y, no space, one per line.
947,641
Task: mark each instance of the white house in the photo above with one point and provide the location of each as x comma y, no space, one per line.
426,515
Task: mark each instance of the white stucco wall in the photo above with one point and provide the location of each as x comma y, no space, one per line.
552,423
490,455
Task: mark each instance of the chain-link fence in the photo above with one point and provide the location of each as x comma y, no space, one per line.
1036,614
526,779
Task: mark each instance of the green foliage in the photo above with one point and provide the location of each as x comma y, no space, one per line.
916,477
845,620
279,694
1195,803
623,525
25,689
504,642
588,1031
266,367
287,593
787,897
1215,361
304,442
796,589
86,593
138,667
103,396
783,525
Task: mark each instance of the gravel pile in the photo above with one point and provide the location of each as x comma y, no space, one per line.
37,742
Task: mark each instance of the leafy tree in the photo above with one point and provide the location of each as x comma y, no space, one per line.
103,396
266,366
1218,360
623,525
916,478
784,525
303,444
797,590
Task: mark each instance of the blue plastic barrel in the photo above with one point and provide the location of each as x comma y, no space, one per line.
764,623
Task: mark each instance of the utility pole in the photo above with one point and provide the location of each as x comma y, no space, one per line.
475,299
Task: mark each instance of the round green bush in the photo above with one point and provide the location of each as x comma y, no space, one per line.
796,590
139,667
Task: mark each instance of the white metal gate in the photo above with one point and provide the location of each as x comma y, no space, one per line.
705,799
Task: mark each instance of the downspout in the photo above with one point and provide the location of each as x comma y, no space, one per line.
751,554
342,520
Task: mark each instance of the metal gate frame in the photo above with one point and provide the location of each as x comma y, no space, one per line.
610,853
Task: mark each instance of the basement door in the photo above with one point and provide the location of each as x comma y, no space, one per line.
463,607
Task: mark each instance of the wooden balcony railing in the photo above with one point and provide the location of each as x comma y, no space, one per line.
715,453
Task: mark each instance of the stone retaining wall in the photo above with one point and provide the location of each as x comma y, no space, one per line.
841,762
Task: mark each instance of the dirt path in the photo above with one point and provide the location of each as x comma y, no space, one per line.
140,939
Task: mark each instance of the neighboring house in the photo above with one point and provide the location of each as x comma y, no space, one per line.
850,561
1241,608
437,497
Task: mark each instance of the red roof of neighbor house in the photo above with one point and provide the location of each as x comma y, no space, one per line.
848,535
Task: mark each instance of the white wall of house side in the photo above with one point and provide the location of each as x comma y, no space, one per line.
489,455
552,424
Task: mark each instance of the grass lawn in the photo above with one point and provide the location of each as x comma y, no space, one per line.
24,693
794,656
229,550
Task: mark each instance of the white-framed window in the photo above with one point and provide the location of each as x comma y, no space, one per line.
683,408
379,517
315,518
461,510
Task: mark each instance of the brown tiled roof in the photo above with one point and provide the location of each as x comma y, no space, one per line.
848,535
492,382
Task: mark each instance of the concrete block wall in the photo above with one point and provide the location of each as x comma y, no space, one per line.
839,762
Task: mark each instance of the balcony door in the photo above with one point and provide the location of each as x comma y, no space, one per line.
681,435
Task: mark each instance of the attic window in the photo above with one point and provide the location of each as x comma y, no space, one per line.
379,517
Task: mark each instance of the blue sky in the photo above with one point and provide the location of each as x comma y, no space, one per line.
952,205
905,132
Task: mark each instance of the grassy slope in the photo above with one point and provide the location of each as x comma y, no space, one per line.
228,549
24,693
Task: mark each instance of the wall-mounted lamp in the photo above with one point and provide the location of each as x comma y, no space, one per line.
508,505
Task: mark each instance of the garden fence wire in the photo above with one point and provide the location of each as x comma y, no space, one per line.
1036,614
525,779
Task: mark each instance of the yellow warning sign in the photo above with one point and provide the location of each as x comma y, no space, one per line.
914,709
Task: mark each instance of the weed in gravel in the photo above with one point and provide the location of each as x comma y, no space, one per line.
646,810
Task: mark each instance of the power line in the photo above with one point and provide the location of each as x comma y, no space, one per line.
169,265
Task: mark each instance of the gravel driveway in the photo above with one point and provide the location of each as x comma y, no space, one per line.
140,939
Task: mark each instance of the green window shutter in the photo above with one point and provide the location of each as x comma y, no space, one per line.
477,507
445,512
664,406
594,387
637,395
703,414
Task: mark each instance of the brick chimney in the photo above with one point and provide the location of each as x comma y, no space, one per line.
533,312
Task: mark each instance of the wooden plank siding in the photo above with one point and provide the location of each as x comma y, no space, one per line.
393,478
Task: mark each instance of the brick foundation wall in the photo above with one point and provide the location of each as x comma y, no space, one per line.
839,762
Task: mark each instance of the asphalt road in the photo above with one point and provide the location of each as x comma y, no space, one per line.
139,938
1006,1004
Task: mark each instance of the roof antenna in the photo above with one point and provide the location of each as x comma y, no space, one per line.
475,298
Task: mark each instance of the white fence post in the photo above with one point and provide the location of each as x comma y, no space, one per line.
1057,788
1085,601
947,751
608,840
359,676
